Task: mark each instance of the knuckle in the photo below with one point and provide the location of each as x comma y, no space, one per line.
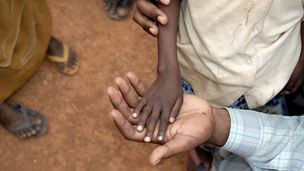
146,110
142,122
144,100
164,119
154,13
153,119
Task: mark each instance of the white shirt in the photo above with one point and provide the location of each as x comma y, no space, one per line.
227,49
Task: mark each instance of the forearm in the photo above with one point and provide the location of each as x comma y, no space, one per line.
167,58
301,59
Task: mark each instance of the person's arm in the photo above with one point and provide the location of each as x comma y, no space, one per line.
296,79
267,141
163,99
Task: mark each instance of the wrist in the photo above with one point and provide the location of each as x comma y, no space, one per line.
168,69
221,126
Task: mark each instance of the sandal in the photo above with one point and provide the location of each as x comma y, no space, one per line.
64,59
119,9
40,130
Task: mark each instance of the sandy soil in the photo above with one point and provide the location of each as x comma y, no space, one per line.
82,135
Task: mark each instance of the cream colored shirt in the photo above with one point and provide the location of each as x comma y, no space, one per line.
227,49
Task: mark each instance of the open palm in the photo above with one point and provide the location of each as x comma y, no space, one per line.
193,126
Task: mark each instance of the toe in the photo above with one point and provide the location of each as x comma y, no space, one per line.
28,132
22,134
19,135
73,59
112,10
37,121
122,12
62,67
33,131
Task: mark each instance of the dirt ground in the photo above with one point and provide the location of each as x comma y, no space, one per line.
82,135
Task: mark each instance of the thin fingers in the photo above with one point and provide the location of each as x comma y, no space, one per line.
129,95
164,121
297,85
138,86
151,11
125,127
292,86
143,118
119,104
176,109
148,25
164,2
152,124
141,104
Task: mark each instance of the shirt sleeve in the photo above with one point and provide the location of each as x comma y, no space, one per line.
267,141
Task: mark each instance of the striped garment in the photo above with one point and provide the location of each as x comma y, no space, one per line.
267,141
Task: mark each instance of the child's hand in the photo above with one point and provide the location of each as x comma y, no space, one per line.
146,13
161,101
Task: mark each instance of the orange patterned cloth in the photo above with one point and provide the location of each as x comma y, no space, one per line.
25,31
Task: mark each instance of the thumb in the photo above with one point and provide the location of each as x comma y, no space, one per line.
177,145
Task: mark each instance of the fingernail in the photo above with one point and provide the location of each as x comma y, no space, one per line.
140,128
157,162
161,19
171,120
147,139
134,115
160,138
152,30
166,2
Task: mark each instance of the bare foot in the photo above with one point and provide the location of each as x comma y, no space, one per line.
56,48
118,9
10,117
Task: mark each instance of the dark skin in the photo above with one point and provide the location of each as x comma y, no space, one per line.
163,99
146,13
197,123
9,116
297,77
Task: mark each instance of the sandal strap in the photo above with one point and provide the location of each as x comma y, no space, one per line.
63,59
27,123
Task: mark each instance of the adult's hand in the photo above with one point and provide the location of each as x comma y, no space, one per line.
147,13
198,122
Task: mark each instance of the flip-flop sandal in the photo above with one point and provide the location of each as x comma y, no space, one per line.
64,59
192,158
40,130
126,4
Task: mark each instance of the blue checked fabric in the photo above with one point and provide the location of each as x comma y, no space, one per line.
267,141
